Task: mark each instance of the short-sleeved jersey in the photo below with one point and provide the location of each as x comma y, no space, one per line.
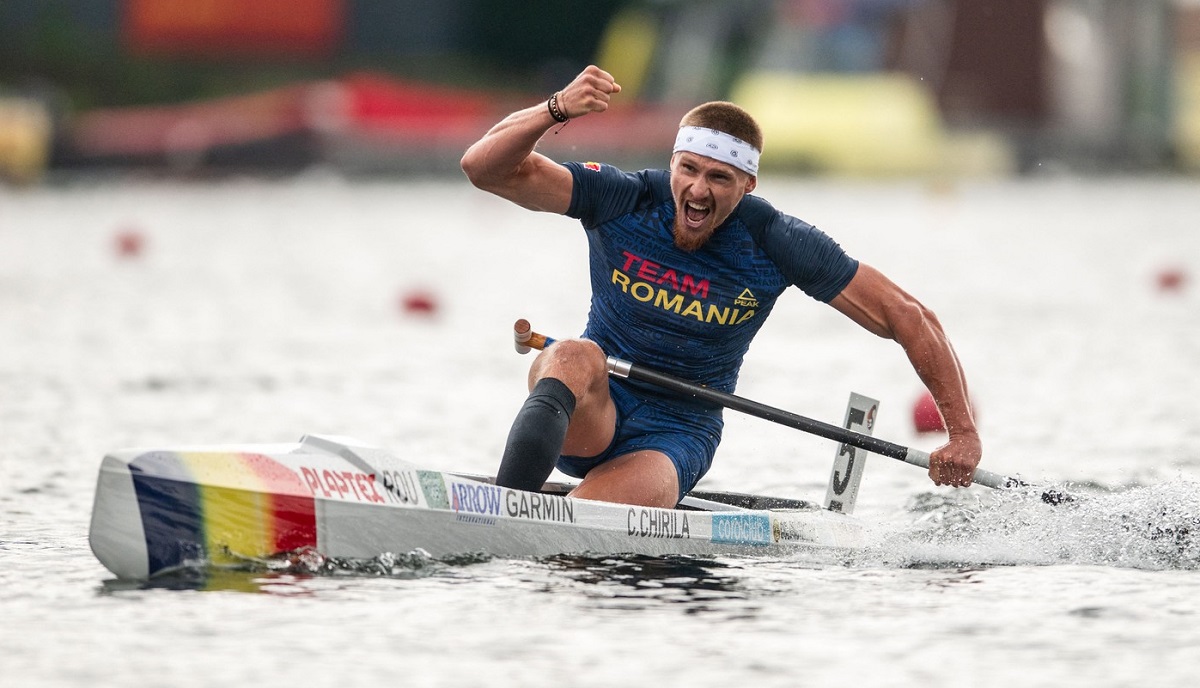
690,314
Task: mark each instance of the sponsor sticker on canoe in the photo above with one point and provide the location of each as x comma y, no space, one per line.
347,486
400,487
657,523
434,489
483,503
742,529
475,502
795,531
539,507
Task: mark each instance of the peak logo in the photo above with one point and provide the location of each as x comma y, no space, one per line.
593,166
746,299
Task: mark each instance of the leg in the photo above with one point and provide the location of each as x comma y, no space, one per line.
581,366
644,478
661,452
568,410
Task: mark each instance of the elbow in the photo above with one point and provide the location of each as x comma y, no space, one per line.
480,171
904,320
482,175
916,325
472,167
917,312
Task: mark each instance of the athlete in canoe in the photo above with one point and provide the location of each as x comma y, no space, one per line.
686,265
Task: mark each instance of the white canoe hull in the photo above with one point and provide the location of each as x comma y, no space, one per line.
160,510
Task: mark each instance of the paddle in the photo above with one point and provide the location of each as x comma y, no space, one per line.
524,338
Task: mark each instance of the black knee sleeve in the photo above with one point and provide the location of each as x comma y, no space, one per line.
537,435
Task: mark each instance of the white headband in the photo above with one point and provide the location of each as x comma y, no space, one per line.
719,146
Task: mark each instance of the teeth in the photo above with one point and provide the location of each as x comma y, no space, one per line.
696,206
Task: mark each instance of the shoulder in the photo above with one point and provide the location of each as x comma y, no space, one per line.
809,257
764,222
602,191
595,174
755,209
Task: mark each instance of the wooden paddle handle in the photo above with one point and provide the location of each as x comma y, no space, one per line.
524,338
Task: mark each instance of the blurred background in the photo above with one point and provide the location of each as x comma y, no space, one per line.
842,87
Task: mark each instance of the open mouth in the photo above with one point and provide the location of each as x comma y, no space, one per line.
694,213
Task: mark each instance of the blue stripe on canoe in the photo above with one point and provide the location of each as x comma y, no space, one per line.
169,501
742,529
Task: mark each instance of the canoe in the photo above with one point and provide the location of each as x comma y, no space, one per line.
160,510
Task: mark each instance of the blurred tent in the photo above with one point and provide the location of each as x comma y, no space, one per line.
25,139
286,129
879,87
923,86
1186,105
865,125
1187,126
359,123
825,78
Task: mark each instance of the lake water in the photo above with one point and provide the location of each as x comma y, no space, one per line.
252,311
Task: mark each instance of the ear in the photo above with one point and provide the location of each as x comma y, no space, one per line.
751,184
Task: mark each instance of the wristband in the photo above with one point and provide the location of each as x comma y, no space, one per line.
555,111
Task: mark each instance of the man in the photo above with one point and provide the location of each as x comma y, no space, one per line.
685,267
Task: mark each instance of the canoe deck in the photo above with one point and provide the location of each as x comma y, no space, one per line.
159,510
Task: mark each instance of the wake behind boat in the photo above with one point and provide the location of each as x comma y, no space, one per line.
161,510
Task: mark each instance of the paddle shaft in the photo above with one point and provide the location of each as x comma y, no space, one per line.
525,338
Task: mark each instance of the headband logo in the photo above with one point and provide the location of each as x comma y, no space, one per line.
719,146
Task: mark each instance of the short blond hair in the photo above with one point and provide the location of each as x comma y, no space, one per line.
725,117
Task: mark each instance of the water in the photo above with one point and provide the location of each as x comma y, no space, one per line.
257,312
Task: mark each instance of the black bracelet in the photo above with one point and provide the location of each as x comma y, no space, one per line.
555,112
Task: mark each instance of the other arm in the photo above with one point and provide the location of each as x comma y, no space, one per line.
876,303
504,161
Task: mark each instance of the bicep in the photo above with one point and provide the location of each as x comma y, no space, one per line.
538,184
875,302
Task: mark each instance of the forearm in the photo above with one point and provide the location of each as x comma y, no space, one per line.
877,304
937,365
505,150
504,161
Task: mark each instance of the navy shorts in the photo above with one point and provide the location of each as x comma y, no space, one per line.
689,437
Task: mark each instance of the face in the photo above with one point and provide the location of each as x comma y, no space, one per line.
706,192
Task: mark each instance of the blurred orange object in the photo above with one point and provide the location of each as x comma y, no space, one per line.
926,417
128,243
1171,279
221,28
419,302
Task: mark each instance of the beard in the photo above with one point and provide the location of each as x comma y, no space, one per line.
690,240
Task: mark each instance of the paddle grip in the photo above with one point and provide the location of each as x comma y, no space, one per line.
524,338
984,477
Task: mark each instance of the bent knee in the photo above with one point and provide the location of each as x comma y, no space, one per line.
579,363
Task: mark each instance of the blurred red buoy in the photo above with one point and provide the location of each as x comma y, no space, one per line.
418,302
1171,279
129,243
926,417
